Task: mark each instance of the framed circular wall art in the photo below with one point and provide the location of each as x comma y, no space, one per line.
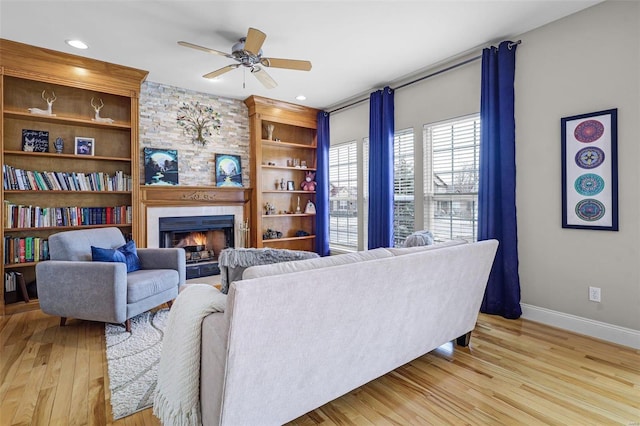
590,171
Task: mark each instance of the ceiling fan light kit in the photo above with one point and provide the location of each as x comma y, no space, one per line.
248,53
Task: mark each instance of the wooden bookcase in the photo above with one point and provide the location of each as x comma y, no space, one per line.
294,138
25,72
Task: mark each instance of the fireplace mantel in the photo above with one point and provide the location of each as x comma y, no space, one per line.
182,196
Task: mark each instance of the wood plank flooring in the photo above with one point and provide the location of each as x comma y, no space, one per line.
513,373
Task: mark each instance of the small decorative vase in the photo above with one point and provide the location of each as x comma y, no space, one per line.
59,145
270,128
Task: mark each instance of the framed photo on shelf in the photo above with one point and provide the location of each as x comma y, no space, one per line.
160,166
84,146
590,171
290,185
228,170
35,140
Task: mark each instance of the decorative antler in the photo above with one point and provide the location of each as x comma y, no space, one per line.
49,100
97,108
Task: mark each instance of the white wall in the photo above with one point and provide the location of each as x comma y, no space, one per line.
583,63
587,62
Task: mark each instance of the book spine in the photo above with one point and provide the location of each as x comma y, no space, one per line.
21,251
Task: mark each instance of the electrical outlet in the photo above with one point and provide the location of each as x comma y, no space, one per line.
594,294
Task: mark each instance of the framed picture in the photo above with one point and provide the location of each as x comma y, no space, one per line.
160,166
590,171
290,185
35,140
84,146
228,170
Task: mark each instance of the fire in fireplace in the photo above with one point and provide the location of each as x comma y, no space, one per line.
202,237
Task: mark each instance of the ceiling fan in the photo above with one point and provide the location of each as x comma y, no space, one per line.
248,53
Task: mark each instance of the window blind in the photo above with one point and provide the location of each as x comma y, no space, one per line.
403,186
343,195
451,178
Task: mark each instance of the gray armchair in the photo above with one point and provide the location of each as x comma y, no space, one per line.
71,285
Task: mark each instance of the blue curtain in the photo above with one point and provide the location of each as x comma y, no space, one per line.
322,186
497,187
381,128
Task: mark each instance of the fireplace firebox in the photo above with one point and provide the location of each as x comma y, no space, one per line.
202,237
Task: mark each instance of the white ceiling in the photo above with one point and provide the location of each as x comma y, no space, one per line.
354,46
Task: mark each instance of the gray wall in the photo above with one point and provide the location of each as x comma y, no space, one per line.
583,63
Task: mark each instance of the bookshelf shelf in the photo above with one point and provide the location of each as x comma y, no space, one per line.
72,157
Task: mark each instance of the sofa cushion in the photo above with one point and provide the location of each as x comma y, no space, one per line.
399,251
126,254
149,282
99,254
308,264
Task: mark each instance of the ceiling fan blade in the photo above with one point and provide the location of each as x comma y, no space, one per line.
264,78
204,49
254,41
292,64
214,74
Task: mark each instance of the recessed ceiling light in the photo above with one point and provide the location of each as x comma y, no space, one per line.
78,44
301,97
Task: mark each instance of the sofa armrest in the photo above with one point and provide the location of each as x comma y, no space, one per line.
164,258
83,290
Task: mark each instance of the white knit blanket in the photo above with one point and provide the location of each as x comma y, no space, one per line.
177,400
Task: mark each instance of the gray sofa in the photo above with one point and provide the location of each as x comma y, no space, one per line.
296,335
71,285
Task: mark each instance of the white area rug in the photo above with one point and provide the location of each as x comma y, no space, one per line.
132,359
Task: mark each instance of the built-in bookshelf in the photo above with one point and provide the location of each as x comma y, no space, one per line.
65,166
283,151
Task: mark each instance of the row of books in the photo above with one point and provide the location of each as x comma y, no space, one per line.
21,216
25,249
15,288
32,180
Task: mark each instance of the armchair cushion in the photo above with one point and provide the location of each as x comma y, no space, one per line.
147,282
126,254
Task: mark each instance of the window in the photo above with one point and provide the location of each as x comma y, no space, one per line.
343,195
403,186
451,178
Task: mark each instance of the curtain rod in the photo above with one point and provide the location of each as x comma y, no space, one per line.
449,68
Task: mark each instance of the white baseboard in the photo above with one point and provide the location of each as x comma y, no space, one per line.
599,330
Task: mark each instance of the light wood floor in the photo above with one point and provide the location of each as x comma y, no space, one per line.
514,372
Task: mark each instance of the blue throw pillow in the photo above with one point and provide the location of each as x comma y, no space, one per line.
126,254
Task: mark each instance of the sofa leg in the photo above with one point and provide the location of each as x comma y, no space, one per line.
464,340
63,321
170,303
127,326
